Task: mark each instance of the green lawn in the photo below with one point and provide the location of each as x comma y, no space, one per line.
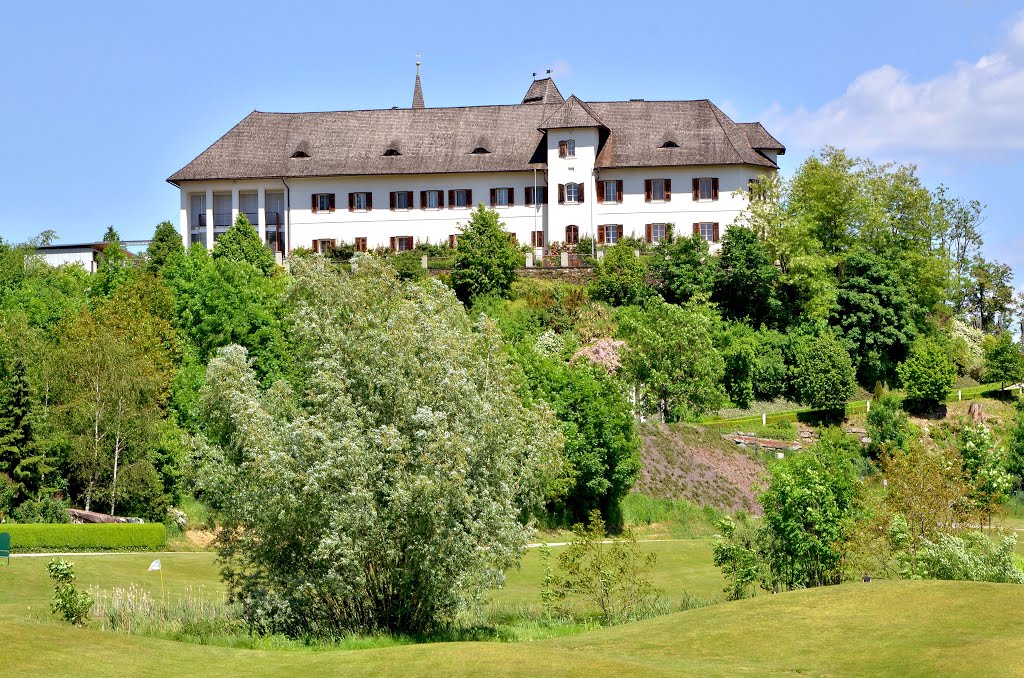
876,629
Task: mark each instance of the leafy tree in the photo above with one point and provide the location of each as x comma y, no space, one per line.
672,358
614,578
823,377
770,374
602,446
960,237
739,354
970,556
166,243
682,268
385,495
746,279
114,268
809,505
486,257
224,301
927,374
111,387
876,316
827,189
73,606
1003,360
990,294
619,278
241,243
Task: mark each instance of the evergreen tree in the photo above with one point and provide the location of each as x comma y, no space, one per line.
166,243
111,235
17,441
242,243
486,257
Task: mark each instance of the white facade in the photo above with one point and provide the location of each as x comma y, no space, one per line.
288,204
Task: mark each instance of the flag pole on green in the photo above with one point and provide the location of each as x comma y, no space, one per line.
155,565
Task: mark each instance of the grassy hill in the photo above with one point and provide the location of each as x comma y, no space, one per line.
881,628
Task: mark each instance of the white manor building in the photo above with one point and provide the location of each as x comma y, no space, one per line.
555,169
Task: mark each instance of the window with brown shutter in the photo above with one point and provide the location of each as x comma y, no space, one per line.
668,190
423,200
440,200
561,194
696,190
494,197
394,243
394,199
696,228
360,244
618,190
647,232
714,227
579,198
369,200
529,195
572,234
600,191
351,202
316,246
563,149
600,234
469,198
314,203
647,190
511,197
714,188
451,198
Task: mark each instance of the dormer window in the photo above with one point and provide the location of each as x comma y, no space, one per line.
480,150
392,152
670,144
300,154
567,148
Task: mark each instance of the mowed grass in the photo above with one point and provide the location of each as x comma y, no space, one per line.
684,568
879,629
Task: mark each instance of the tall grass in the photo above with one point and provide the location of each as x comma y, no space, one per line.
681,518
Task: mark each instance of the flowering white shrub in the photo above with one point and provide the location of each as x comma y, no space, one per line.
385,490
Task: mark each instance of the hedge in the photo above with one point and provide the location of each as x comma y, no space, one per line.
29,537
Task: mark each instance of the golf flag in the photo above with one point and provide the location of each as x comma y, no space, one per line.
155,565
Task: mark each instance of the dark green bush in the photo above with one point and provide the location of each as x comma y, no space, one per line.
88,537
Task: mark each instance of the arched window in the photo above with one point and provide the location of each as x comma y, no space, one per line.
572,234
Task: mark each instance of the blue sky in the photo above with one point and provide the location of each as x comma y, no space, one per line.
103,101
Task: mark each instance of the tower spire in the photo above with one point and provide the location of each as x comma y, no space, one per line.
417,92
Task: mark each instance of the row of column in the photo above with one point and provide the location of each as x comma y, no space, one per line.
261,208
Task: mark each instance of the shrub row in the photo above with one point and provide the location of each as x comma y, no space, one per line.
29,538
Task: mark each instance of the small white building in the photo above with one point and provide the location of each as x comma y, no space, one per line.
555,169
86,255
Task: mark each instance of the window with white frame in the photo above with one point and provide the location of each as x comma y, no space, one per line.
359,201
402,200
432,200
657,189
658,232
572,193
706,189
404,243
461,199
611,191
611,234
501,197
707,231
323,202
570,148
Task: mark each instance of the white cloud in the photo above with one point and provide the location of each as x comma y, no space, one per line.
973,108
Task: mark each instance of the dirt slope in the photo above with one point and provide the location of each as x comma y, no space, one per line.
696,464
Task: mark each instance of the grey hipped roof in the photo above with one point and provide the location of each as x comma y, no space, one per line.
760,139
573,113
443,140
543,91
